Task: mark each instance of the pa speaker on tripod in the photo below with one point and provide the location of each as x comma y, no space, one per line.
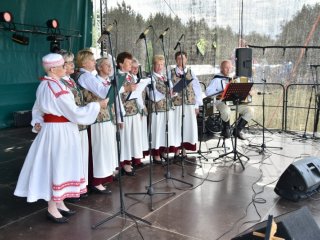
300,180
294,225
244,62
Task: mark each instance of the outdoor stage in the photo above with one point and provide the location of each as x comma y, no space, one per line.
222,203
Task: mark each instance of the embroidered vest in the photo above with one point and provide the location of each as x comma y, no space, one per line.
130,106
161,105
78,97
189,96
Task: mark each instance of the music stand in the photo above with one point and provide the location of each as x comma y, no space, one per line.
235,92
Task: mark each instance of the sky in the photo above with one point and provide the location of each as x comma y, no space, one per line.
262,16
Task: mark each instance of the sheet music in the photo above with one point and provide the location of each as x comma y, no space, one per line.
140,87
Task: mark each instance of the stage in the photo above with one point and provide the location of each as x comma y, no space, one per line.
224,199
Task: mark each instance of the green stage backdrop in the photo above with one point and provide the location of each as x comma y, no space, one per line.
20,66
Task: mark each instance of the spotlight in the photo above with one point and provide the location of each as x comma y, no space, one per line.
55,42
23,40
55,46
53,23
6,17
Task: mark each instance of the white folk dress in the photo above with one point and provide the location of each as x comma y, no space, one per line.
53,167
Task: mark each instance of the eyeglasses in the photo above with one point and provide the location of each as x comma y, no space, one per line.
61,67
68,63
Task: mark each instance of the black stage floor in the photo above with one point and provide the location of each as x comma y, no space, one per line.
224,199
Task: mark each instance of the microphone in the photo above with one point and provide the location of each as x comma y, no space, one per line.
104,33
164,33
314,65
178,43
144,34
266,93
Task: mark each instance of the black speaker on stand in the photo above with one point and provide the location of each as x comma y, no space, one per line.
244,62
300,180
296,225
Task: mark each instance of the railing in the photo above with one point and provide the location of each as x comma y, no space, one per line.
296,97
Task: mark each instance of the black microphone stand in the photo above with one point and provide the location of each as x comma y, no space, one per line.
203,128
263,145
317,102
168,175
150,190
183,79
116,97
304,135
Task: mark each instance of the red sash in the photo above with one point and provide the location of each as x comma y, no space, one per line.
54,118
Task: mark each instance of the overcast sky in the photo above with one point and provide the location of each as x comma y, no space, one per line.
262,16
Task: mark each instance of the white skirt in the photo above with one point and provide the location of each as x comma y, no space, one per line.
190,125
144,130
85,152
53,168
131,140
104,149
158,130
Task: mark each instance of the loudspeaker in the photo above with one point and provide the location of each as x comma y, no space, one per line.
294,225
300,180
244,62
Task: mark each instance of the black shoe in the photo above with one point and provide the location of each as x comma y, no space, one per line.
84,195
237,131
137,166
105,191
155,161
239,135
124,172
190,159
56,220
66,213
72,200
225,133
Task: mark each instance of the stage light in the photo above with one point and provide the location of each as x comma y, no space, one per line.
55,42
6,17
23,40
55,46
53,23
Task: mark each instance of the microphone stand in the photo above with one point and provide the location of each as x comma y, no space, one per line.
304,135
150,190
203,127
183,79
317,102
263,145
168,175
122,210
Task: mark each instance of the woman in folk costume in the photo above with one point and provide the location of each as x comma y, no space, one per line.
68,58
192,101
136,162
94,89
131,140
161,103
53,167
104,145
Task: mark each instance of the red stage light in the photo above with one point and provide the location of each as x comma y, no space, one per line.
53,23
6,17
